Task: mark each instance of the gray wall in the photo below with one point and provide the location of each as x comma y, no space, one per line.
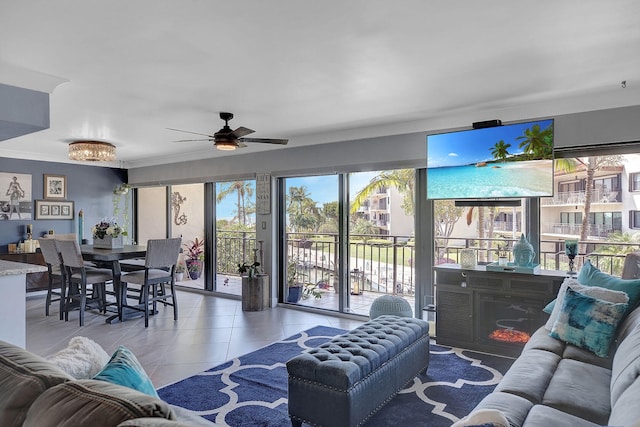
89,187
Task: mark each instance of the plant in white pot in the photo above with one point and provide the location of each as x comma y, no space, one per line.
180,270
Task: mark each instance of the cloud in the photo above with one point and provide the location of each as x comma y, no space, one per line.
452,154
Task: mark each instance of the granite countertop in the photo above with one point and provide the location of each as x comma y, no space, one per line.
10,268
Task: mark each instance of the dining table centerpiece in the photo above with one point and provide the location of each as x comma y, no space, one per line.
107,234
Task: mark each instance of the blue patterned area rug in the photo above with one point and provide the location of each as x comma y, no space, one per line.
251,390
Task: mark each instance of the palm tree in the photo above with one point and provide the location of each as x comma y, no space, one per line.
537,142
244,190
302,209
500,150
402,179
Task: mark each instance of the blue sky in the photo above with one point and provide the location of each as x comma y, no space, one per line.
322,189
472,146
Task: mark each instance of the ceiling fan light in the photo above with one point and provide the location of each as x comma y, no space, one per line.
226,145
92,151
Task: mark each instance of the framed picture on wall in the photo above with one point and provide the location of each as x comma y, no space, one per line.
15,196
50,209
55,187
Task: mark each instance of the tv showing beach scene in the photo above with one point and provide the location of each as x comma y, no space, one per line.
510,161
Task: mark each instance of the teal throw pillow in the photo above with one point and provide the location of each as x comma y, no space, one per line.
124,369
587,322
589,275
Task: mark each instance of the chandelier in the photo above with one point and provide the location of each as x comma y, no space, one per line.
92,151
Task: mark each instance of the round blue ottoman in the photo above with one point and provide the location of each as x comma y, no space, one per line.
390,304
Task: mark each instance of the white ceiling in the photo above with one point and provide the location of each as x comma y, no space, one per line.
310,71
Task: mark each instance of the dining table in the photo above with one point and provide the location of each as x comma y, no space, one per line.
112,257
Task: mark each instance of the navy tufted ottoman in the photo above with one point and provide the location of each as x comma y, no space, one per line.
346,380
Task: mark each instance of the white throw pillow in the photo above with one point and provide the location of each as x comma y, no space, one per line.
592,291
82,359
491,417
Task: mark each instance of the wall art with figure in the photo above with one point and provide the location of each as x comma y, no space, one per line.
15,196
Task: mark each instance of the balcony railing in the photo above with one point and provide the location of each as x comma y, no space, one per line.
579,197
385,265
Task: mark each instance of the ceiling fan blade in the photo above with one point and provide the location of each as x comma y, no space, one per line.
242,131
192,140
266,140
188,131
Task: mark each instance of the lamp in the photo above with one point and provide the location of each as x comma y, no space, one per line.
226,145
92,151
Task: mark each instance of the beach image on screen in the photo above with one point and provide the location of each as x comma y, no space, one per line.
500,162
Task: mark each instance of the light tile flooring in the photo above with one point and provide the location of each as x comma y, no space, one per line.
209,331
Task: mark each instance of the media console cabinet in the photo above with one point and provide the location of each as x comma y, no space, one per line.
491,311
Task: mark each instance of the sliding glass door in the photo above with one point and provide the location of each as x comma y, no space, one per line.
348,238
235,232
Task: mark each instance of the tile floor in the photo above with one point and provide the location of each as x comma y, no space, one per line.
209,331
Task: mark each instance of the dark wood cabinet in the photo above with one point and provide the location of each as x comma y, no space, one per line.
35,281
491,311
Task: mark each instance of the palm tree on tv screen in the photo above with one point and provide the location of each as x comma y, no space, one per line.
500,150
536,142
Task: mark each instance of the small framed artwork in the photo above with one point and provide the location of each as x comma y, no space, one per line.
55,187
49,209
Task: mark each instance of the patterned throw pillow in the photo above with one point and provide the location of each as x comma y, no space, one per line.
592,291
588,322
125,370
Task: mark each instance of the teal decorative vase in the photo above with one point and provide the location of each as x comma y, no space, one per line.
523,252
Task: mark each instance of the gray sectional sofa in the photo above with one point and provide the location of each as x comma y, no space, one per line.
36,393
553,383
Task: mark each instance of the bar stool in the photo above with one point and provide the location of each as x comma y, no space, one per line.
159,270
56,271
79,275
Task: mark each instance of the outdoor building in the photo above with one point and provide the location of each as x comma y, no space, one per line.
384,209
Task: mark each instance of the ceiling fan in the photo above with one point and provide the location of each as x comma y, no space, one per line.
227,139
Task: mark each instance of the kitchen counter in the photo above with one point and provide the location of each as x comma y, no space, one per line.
10,268
13,297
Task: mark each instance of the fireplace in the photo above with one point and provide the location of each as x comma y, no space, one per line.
505,321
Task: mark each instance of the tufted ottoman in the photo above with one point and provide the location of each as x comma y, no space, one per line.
347,379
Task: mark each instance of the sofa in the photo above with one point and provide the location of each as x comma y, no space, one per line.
557,381
35,392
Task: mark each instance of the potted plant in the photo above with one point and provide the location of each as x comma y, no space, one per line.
248,270
194,258
107,234
180,270
503,254
255,287
293,285
298,288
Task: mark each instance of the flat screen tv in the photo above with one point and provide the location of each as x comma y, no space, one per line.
510,161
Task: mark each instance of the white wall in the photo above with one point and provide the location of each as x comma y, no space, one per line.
396,151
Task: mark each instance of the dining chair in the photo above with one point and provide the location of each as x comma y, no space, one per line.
159,270
57,277
81,276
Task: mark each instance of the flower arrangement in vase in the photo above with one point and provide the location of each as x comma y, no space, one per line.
107,234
